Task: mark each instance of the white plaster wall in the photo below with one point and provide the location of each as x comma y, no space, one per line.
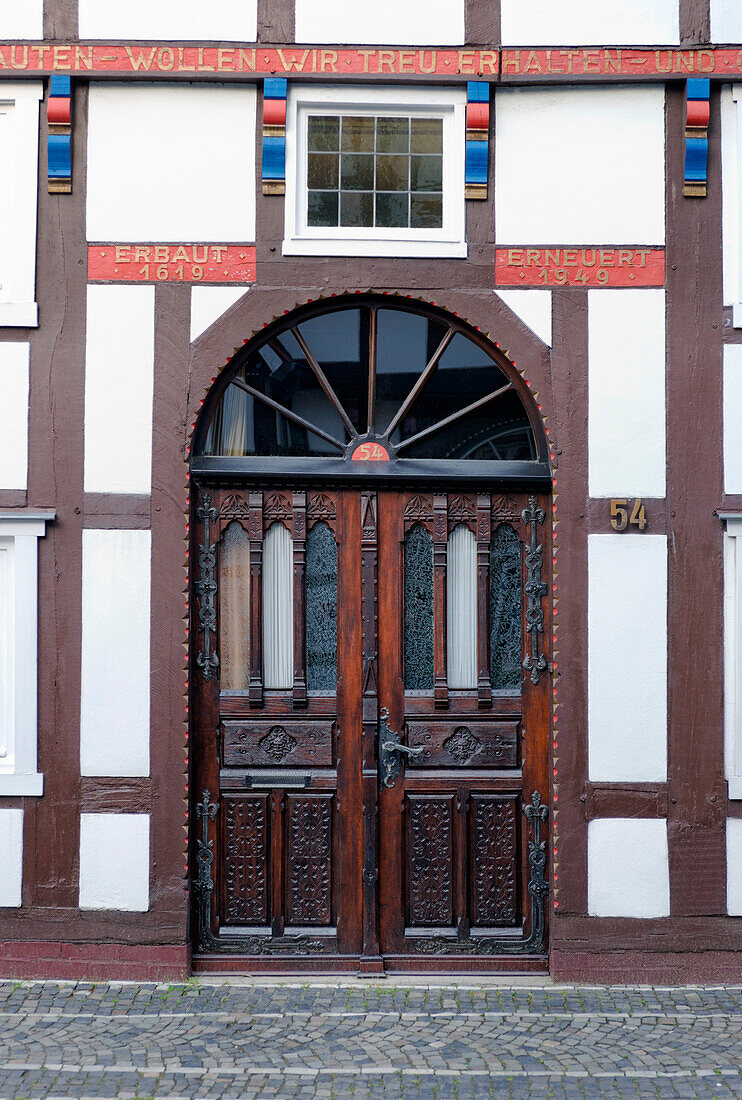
627,868
11,857
534,309
119,379
21,19
114,862
170,20
734,866
627,657
14,360
730,195
580,166
114,719
733,418
726,21
589,22
626,393
208,303
171,163
383,23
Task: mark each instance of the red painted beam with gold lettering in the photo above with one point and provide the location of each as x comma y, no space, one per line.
179,263
579,267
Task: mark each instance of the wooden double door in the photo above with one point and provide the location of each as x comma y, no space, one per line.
370,722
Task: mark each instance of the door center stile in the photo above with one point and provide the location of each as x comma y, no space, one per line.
370,724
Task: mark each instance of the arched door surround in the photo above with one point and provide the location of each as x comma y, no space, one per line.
370,669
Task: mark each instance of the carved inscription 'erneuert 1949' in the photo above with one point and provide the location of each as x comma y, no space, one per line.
580,267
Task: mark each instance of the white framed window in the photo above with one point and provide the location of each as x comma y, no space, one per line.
733,653
19,144
19,535
375,172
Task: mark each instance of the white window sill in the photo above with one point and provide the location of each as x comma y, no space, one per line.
735,787
331,246
19,315
15,786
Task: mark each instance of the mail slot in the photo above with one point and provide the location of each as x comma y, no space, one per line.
256,780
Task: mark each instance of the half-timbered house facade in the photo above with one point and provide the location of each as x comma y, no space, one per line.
370,487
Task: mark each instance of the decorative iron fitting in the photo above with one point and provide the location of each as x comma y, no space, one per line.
206,589
203,887
535,589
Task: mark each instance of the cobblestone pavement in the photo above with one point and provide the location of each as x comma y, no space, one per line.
367,1041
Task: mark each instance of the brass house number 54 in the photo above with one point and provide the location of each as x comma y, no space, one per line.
627,513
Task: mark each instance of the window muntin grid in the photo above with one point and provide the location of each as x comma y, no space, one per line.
383,171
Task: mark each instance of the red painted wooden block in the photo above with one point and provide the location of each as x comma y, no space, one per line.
477,116
698,112
58,109
274,112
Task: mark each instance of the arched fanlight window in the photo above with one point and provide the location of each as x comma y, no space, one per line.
361,384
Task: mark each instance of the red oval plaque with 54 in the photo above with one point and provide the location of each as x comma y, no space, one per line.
370,452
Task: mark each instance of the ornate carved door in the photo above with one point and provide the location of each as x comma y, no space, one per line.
464,696
373,727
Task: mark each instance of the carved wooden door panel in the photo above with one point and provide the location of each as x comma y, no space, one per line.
463,689
278,719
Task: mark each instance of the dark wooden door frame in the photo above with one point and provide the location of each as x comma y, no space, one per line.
363,931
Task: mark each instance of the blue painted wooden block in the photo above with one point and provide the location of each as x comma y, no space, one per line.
274,158
698,88
477,91
476,161
60,156
696,158
60,86
275,88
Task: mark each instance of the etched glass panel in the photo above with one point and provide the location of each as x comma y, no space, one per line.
505,610
234,609
321,609
461,593
418,610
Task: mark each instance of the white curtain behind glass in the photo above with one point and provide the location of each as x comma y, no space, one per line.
461,591
278,608
234,609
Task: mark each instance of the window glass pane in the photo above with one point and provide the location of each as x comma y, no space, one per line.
322,171
505,610
499,431
392,173
358,134
392,135
234,609
426,135
278,608
461,598
356,208
339,342
464,374
405,344
322,208
418,610
392,210
426,173
426,211
357,172
321,609
323,133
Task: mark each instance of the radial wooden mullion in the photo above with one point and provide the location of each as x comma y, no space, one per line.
372,351
324,382
413,394
454,416
299,538
484,525
287,413
440,555
255,532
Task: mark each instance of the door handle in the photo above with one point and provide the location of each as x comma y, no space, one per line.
390,751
